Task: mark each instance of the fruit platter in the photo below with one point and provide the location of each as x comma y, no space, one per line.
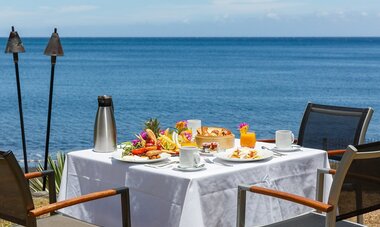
153,142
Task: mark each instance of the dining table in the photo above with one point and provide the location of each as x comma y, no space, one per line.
165,196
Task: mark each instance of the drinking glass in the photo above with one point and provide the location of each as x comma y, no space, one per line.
248,139
194,124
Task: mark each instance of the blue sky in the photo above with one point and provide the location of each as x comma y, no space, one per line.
192,17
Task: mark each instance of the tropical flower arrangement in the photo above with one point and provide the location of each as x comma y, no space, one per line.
243,128
184,133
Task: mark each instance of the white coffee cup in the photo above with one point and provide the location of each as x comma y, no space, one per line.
284,139
189,157
194,124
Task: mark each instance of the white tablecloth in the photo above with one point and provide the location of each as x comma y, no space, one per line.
165,197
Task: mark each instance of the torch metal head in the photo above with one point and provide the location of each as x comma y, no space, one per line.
54,47
14,44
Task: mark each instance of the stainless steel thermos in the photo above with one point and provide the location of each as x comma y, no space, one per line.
105,126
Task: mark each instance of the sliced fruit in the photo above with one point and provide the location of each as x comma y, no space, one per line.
167,132
175,139
167,143
139,151
151,135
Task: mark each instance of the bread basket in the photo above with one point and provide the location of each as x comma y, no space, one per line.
225,142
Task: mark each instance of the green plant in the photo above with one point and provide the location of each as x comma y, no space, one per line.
56,166
154,125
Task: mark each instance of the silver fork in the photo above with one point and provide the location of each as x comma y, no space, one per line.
275,152
220,163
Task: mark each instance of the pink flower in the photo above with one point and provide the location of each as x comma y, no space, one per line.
144,135
135,142
188,136
243,127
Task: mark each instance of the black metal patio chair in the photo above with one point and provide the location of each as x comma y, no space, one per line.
16,204
355,191
332,127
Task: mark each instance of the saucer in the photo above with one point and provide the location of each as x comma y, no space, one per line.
292,148
190,169
202,152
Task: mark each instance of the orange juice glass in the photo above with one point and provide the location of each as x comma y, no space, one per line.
248,139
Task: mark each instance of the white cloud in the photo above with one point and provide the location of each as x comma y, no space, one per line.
341,13
322,14
241,6
44,7
238,2
77,8
272,16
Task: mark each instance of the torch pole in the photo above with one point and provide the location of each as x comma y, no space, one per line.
53,61
15,59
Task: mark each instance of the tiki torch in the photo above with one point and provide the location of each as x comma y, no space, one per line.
53,49
15,46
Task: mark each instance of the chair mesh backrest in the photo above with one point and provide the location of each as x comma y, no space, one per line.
331,127
15,197
361,187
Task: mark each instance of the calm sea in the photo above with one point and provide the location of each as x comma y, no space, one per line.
266,82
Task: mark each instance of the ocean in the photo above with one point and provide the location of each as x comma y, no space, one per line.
265,82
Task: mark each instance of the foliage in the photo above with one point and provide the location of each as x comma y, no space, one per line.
154,125
56,166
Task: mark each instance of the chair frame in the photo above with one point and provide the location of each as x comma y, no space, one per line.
330,207
32,212
366,115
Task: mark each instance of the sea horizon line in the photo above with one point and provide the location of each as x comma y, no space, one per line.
207,37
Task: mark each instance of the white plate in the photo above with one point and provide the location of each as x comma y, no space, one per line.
293,148
190,169
264,154
210,153
207,153
136,159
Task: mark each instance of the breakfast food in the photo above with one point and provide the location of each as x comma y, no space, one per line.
145,147
244,153
152,138
212,147
151,152
213,131
222,136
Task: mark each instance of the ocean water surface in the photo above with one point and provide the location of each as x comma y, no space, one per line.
266,82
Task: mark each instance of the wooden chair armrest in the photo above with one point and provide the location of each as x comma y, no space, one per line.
293,198
335,152
69,202
51,186
38,174
326,171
